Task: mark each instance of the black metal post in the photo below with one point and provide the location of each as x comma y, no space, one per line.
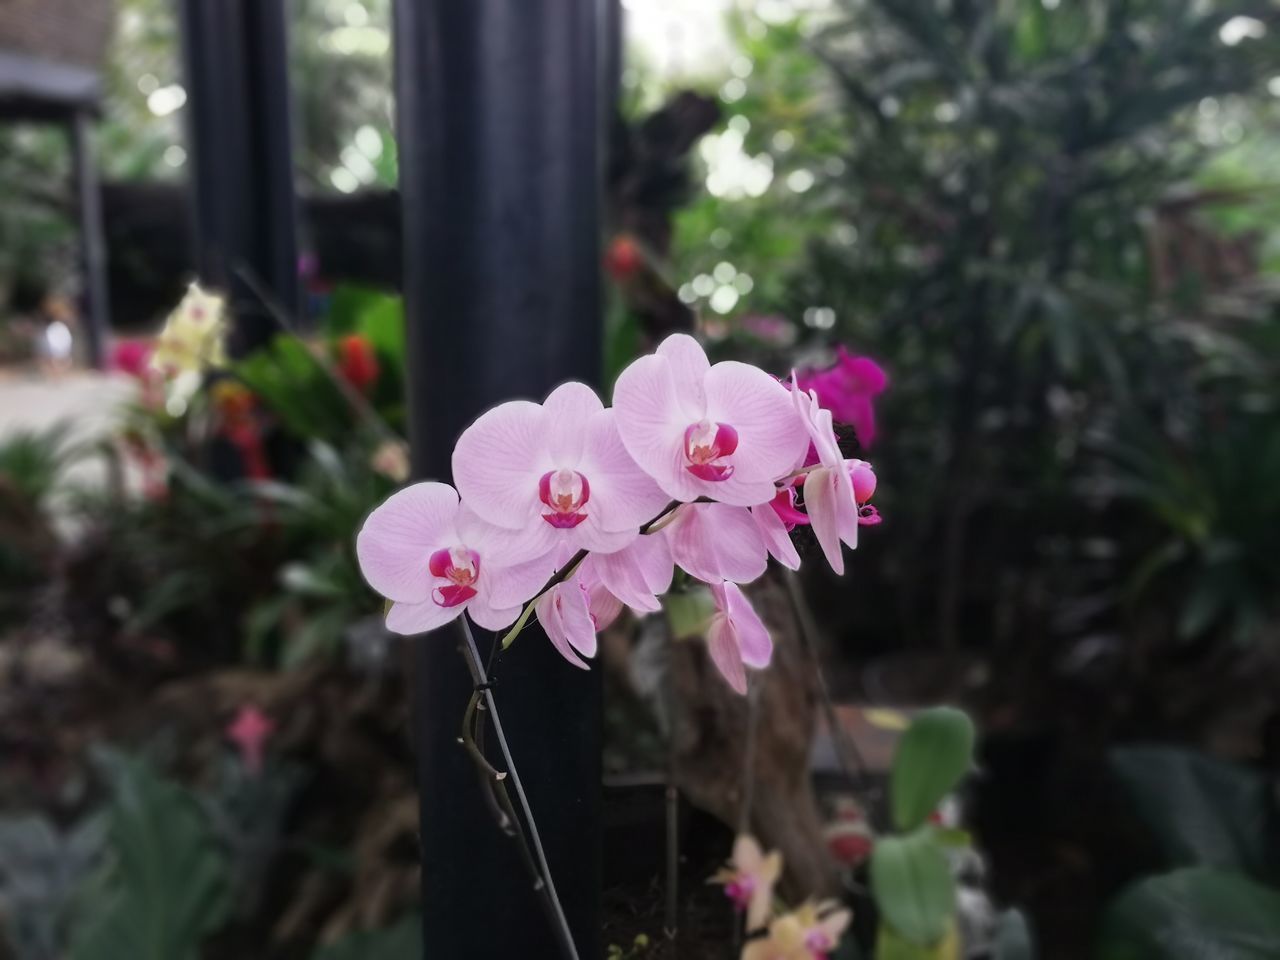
499,177
241,162
93,246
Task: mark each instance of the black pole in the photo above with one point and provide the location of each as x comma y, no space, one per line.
499,178
93,246
241,161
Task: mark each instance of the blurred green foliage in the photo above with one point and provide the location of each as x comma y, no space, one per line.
1054,225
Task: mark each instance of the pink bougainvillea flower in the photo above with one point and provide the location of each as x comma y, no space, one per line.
572,612
250,731
749,878
726,431
714,542
736,636
637,574
848,389
434,558
828,487
556,473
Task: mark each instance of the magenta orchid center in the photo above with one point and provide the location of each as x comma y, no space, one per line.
566,492
740,889
459,568
706,444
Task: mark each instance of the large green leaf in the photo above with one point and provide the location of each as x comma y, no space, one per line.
912,886
1203,812
1198,913
168,886
934,753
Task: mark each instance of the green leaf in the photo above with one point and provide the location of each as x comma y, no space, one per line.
403,941
890,945
1202,812
1198,913
912,886
934,753
168,887
689,612
1013,938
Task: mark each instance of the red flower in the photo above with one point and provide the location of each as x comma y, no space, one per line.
623,259
357,361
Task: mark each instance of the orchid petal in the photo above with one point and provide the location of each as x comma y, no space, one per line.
652,423
568,411
398,537
723,648
498,460
775,535
714,541
550,616
414,618
689,366
761,412
820,495
624,495
754,643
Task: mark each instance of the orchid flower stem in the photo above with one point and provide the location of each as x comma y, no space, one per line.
543,882
847,754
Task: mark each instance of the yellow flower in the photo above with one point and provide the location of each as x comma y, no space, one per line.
809,933
749,879
192,338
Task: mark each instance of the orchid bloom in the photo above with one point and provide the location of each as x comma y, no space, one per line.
749,879
573,612
249,731
736,637
714,542
848,390
863,478
828,486
555,475
726,431
637,574
809,933
192,338
434,558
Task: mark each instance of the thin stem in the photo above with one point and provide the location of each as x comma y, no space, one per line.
844,747
560,921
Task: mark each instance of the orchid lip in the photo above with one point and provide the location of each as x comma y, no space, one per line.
706,443
460,568
566,492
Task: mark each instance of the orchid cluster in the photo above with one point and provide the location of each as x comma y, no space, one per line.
570,510
810,932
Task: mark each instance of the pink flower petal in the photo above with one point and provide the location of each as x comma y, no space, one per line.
511,585
714,541
775,535
499,460
824,497
623,573
560,620
758,407
623,495
689,366
652,424
414,618
491,617
399,536
723,648
568,410
754,643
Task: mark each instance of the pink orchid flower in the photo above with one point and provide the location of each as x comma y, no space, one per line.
637,574
726,431
572,612
736,636
749,879
714,542
848,389
434,558
863,478
249,731
556,473
828,486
